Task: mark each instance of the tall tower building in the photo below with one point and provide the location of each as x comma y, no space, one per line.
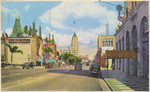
74,49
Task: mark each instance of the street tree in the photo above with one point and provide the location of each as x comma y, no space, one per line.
48,50
13,50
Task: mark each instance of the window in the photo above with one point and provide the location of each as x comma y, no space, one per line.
132,5
135,3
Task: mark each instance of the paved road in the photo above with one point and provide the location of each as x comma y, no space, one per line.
62,79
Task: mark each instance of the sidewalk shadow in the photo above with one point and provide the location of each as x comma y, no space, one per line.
75,72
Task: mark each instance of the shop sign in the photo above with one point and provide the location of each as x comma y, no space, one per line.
19,41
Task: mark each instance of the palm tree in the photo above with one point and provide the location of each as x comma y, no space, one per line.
13,50
47,50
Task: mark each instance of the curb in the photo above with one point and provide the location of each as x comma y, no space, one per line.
107,84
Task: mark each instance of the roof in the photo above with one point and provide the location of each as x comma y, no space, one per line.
17,28
74,35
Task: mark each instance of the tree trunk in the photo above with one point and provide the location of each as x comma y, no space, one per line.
11,59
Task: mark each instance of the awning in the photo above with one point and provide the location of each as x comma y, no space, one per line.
118,54
50,61
40,60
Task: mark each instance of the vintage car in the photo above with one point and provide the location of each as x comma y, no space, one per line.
78,66
95,69
28,65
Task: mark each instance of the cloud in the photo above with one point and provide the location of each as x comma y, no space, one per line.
9,12
60,39
58,16
9,31
43,36
27,7
87,50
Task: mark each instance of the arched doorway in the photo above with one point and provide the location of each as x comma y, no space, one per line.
144,35
134,47
128,48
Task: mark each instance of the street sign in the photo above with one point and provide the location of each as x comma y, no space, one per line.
118,54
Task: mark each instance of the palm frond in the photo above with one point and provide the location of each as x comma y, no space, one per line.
14,48
6,34
19,51
8,45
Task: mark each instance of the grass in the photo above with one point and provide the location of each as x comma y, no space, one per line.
112,85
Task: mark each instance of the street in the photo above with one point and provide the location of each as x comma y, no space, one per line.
60,79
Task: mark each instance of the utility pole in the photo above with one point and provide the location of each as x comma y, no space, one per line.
107,29
74,23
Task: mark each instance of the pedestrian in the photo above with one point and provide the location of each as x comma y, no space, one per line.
113,67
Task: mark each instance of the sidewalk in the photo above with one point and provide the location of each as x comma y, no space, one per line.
121,81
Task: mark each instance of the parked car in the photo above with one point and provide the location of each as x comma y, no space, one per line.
95,69
78,66
28,65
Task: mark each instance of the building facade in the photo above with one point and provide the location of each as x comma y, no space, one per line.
134,35
74,49
105,42
28,45
31,46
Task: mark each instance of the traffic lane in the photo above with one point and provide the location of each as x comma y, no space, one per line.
11,75
58,82
72,71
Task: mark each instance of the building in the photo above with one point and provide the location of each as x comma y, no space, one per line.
134,35
105,42
17,29
74,49
30,46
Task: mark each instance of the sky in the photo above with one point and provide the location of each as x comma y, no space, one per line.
57,17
